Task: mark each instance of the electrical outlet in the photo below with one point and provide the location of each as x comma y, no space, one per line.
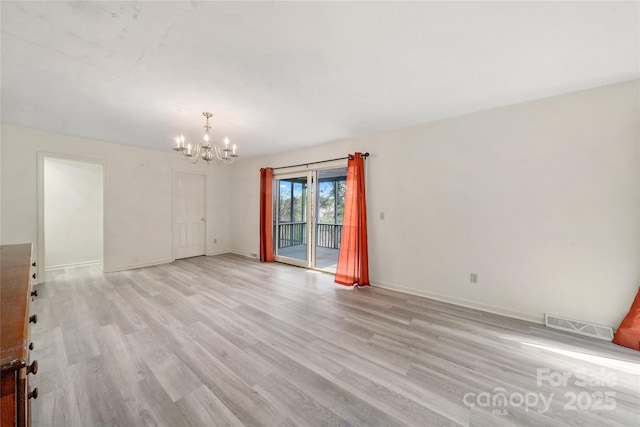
473,277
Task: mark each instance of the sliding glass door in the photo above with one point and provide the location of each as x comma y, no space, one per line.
329,204
292,206
308,211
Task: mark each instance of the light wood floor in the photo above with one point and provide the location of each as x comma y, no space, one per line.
227,340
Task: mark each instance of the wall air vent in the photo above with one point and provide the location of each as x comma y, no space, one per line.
579,327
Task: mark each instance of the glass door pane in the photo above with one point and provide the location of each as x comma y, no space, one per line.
291,206
331,185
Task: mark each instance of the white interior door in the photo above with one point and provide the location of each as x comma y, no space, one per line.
188,215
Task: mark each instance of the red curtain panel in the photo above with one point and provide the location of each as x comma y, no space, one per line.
628,333
266,215
353,261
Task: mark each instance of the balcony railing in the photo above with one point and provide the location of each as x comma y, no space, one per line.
292,234
295,233
329,235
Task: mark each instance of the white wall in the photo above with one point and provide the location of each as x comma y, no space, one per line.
137,197
540,199
72,213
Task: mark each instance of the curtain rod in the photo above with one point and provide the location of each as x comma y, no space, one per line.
364,155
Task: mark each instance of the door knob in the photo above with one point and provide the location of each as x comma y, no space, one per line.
33,394
33,368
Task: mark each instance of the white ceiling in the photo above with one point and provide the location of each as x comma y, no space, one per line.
284,75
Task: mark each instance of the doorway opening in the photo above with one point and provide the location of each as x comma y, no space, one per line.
72,228
308,214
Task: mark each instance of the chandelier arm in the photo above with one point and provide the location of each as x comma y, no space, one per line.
193,157
223,156
183,156
224,162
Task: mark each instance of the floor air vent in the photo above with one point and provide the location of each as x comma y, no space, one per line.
579,327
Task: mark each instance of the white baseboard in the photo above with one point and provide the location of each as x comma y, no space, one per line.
137,265
245,254
502,311
73,265
156,262
224,251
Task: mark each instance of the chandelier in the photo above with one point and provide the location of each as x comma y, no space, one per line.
206,150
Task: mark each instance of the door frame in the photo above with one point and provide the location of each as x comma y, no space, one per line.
309,219
336,164
312,181
206,216
42,155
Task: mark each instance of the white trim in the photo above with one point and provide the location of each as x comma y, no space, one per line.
224,251
73,265
333,164
138,265
290,175
165,261
304,263
502,311
244,254
41,156
309,174
312,218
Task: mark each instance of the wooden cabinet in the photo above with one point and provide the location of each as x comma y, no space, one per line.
15,344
